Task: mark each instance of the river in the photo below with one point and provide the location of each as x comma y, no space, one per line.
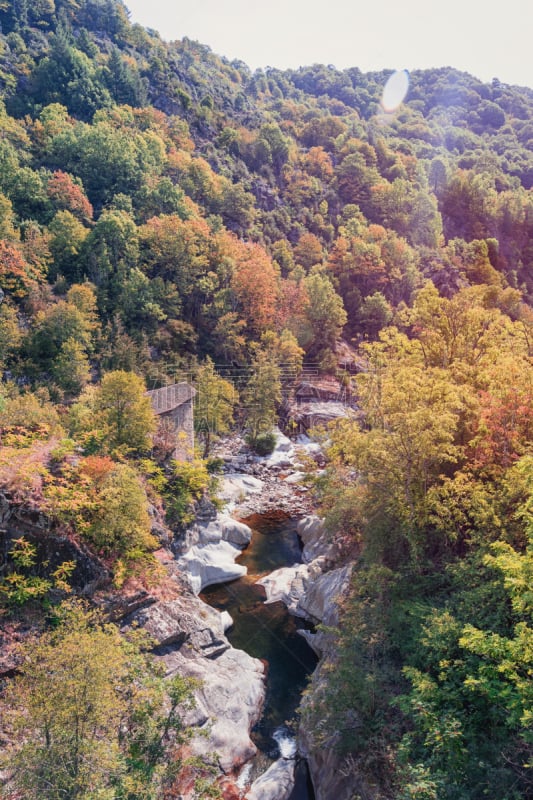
270,633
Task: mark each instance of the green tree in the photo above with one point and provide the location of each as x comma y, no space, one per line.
215,400
125,411
412,415
375,314
68,76
89,715
53,327
124,82
121,523
109,253
324,312
262,395
70,368
67,237
10,334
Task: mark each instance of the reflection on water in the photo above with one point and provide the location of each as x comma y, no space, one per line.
268,632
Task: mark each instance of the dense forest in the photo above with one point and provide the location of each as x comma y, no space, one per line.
168,214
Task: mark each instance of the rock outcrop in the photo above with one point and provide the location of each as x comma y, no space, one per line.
319,601
209,549
211,563
235,487
189,639
310,590
275,784
331,775
289,585
316,543
318,400
311,415
54,544
318,591
224,712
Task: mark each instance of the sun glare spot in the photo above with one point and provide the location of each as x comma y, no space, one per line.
395,90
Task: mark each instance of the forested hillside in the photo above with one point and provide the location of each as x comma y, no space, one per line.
166,213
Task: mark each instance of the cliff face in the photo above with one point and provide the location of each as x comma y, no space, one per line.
314,590
53,545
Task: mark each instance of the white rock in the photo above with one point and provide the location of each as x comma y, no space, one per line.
226,620
285,584
296,477
305,445
221,528
283,443
315,541
214,546
289,584
224,529
183,620
212,563
283,453
234,487
319,600
276,783
224,713
234,532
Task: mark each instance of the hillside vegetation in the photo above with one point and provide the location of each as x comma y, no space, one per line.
166,213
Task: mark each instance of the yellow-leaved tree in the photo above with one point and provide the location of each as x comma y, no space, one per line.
89,715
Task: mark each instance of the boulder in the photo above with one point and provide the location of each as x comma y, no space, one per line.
235,487
306,445
212,563
222,528
315,541
177,621
295,477
275,784
310,415
224,715
286,584
289,584
319,600
190,641
232,531
208,550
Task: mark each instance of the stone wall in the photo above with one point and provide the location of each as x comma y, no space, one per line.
182,419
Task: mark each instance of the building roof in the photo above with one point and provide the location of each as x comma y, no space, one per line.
170,397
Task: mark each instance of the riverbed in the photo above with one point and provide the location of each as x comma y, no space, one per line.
270,633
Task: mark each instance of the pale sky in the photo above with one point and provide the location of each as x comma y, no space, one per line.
488,38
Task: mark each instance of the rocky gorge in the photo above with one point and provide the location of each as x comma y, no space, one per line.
192,636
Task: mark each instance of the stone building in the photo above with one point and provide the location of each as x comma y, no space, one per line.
173,406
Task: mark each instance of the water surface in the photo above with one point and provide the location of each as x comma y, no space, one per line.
269,632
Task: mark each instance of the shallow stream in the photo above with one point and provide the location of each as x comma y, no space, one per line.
269,632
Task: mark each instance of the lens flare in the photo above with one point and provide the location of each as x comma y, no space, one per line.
395,90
